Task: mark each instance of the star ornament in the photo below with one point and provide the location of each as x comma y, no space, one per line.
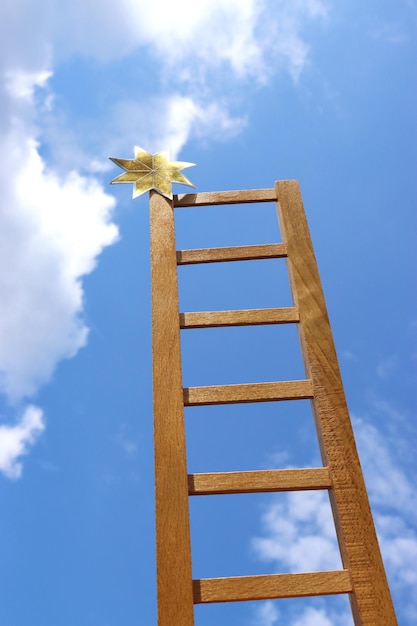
151,171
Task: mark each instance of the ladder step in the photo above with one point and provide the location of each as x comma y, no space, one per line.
234,253
225,197
259,481
273,586
251,317
253,392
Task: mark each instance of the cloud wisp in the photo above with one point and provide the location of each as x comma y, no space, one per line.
16,440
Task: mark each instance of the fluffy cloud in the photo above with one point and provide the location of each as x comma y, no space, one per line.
52,228
392,496
55,220
389,487
196,55
174,120
299,533
319,617
16,440
205,46
298,528
251,36
266,614
51,232
313,617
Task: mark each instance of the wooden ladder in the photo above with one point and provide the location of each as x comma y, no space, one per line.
363,575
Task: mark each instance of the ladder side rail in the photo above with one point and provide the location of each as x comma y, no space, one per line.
173,552
370,600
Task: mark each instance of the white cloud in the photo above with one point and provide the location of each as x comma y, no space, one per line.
299,533
312,616
297,527
16,440
253,38
208,46
51,232
54,222
178,34
51,228
249,39
399,547
187,32
238,33
170,122
22,85
267,614
388,485
393,497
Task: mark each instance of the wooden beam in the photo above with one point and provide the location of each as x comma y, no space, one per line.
234,253
252,392
371,601
224,197
252,317
241,588
173,555
259,481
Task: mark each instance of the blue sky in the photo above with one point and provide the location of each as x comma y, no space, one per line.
251,91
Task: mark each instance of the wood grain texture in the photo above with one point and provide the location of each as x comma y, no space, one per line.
233,253
252,392
272,586
252,317
259,481
224,197
173,555
371,601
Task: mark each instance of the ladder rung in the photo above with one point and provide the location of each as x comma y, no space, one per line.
268,587
234,253
259,481
252,317
225,197
252,392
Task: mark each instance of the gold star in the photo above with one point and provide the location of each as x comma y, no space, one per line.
151,171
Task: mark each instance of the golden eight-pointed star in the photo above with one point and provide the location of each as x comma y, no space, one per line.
151,171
